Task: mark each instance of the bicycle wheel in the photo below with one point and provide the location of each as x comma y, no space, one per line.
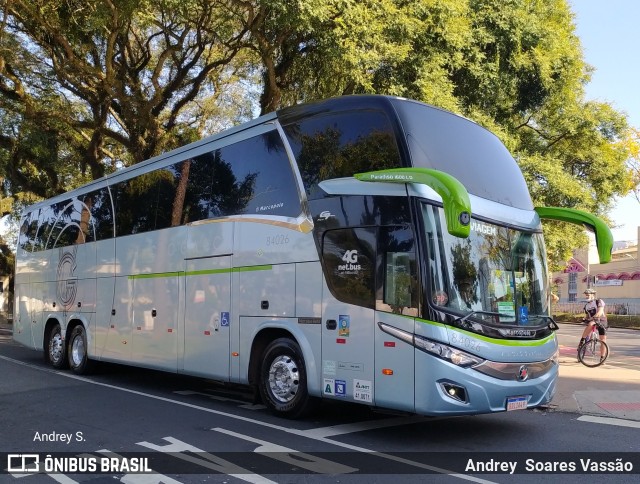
593,353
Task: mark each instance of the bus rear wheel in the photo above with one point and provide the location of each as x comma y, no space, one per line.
283,379
79,362
54,351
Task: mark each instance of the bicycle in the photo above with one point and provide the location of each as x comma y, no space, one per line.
593,352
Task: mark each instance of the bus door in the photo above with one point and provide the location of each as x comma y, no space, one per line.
207,314
348,314
397,297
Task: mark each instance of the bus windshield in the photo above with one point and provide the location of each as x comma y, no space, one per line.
497,276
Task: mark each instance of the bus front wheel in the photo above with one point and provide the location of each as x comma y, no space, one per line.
79,362
55,350
283,379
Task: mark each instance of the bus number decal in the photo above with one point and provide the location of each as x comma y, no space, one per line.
279,239
465,342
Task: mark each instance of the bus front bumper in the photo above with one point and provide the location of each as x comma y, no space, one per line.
450,389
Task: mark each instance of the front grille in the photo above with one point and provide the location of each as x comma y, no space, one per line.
510,371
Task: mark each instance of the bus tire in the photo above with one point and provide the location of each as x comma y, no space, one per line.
79,361
283,379
54,350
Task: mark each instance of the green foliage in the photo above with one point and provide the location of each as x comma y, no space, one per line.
86,87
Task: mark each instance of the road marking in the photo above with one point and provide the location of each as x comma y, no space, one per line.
310,462
301,433
610,421
177,448
322,432
139,478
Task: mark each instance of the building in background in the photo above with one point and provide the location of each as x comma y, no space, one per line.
617,282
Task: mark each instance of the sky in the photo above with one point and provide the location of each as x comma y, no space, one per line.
610,36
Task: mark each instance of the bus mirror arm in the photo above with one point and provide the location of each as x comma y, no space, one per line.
604,239
455,199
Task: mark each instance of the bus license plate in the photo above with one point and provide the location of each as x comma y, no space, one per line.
517,403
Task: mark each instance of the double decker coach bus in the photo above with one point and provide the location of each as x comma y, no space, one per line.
367,248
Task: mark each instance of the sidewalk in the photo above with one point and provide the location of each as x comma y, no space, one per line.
605,391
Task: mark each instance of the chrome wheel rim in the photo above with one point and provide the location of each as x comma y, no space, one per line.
55,347
284,379
77,351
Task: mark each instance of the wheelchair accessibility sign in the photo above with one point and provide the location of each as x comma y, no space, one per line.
224,319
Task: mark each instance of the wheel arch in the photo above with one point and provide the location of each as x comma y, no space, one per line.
72,324
264,337
260,341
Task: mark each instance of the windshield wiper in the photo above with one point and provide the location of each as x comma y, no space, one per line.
552,325
462,320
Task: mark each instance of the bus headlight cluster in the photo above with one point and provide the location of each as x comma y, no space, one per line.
441,350
446,352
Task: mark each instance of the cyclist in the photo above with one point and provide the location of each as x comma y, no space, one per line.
594,309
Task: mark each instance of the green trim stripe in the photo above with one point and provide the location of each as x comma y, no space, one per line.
251,268
501,342
205,272
156,275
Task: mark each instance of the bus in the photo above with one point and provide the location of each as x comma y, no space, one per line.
368,249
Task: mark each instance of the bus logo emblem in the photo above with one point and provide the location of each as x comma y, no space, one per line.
523,373
67,286
325,215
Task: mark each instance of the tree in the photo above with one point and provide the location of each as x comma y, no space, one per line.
110,78
322,48
89,86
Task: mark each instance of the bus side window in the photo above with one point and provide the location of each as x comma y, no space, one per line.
64,230
349,259
397,281
28,230
101,218
253,176
341,144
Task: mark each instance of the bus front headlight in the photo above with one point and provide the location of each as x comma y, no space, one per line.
435,348
446,352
